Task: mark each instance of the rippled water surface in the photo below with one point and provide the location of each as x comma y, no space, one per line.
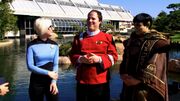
13,69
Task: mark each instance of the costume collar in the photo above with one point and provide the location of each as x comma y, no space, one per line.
40,40
93,33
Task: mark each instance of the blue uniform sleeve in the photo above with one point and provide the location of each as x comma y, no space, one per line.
30,63
56,62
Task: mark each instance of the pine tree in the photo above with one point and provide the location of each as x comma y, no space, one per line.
7,19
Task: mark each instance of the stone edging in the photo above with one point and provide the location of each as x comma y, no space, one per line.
6,43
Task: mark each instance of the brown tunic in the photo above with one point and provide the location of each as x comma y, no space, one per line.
145,59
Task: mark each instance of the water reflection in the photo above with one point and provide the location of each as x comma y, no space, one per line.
12,63
174,53
13,68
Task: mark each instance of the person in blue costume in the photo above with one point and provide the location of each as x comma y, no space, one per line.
42,60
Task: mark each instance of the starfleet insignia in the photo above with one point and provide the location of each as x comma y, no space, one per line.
99,42
52,46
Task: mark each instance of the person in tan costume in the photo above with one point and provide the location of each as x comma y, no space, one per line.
143,69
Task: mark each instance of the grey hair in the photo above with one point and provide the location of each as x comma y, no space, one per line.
41,25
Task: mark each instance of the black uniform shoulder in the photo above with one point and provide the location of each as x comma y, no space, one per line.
39,41
33,42
52,42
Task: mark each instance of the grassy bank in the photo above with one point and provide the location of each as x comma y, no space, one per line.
175,37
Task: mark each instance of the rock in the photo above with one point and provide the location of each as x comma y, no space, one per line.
6,43
174,65
64,60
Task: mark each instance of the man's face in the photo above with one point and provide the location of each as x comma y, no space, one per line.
93,22
140,28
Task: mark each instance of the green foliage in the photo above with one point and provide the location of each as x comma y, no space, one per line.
7,19
5,1
64,49
174,6
174,20
175,37
168,22
106,27
161,23
80,29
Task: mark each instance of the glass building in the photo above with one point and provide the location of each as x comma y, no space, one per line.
65,14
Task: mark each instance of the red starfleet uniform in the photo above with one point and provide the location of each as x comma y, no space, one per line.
101,44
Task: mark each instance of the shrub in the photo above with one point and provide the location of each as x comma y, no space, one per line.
64,49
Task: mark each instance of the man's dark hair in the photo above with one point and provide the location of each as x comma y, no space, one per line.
98,13
144,18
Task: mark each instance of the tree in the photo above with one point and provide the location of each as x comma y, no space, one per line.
80,29
174,16
175,7
168,22
5,1
161,23
107,27
7,19
174,20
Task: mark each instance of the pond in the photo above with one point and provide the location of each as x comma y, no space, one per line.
13,69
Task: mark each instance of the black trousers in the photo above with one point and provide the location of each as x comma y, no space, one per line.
39,88
98,92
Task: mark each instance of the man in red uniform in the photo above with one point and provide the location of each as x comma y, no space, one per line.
93,53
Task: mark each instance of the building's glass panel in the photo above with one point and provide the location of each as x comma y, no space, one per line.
46,1
29,26
66,26
65,2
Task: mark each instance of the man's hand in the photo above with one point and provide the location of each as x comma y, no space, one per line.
93,58
90,58
84,59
